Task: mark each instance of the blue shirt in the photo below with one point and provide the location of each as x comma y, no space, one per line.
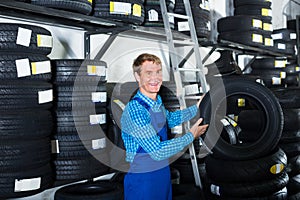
137,130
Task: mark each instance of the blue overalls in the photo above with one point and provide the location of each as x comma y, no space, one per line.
148,179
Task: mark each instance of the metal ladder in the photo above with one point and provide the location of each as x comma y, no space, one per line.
177,71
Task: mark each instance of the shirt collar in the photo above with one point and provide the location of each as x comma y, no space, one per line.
150,101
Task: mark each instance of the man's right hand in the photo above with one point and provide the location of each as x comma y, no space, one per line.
197,130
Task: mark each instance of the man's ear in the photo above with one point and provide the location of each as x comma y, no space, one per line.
137,76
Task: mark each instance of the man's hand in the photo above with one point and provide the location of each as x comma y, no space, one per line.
197,130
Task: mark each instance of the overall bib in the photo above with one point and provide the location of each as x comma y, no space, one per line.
148,179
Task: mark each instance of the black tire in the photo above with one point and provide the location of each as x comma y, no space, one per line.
294,184
256,97
135,16
288,97
244,22
25,124
269,63
25,95
293,167
265,13
18,156
90,191
251,38
291,149
41,179
284,34
283,47
11,64
40,38
250,189
66,71
264,168
79,6
264,3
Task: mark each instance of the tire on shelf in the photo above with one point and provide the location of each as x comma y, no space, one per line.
14,38
134,15
264,168
248,95
244,22
90,191
11,66
264,3
78,6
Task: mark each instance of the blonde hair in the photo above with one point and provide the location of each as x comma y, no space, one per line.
137,63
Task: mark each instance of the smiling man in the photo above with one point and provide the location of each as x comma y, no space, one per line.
144,131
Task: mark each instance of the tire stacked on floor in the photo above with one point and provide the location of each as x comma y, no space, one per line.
254,19
246,162
290,141
201,17
153,14
128,11
80,145
26,122
78,6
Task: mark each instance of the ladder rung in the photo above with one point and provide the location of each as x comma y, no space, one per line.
178,16
193,97
189,70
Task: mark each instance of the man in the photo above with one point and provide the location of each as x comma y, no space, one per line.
144,131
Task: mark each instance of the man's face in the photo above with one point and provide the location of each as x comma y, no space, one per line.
150,78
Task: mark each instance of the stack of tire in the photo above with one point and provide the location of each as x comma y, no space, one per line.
26,121
285,41
79,142
128,11
246,162
78,6
201,17
276,72
289,99
153,14
254,22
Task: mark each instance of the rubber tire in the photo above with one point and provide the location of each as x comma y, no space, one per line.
271,108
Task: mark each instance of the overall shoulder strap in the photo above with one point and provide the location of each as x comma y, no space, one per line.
143,103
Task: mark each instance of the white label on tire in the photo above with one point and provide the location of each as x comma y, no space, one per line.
152,15
54,146
293,36
277,36
45,96
24,36
97,119
215,189
99,97
257,38
257,23
120,8
280,63
27,184
99,143
276,81
44,41
96,70
281,46
183,26
23,67
41,67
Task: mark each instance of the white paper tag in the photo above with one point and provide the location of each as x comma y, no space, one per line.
191,89
280,63
99,97
276,81
44,41
183,26
98,119
45,96
99,143
257,38
215,189
120,8
293,36
283,75
24,36
277,36
27,184
257,23
54,146
96,70
152,15
41,67
23,67
281,46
